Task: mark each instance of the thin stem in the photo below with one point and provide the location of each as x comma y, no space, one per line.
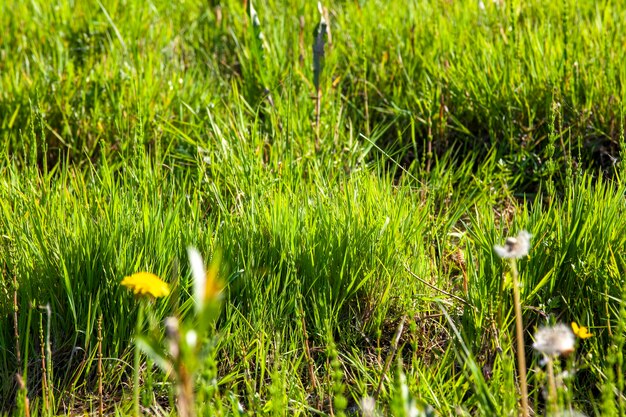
49,355
318,110
519,330
552,399
138,327
16,323
100,394
44,375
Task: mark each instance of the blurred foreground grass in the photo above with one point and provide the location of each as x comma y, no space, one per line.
131,130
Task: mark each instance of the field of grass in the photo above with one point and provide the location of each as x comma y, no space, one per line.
349,202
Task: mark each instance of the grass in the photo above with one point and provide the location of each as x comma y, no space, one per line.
358,254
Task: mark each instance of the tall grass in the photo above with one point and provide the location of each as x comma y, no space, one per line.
357,238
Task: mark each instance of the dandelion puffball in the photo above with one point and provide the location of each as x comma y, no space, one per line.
555,340
514,247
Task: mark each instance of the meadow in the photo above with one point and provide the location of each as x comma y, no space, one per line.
345,170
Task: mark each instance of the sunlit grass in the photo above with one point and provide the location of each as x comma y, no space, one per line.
355,251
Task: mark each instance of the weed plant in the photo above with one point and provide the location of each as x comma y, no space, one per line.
355,205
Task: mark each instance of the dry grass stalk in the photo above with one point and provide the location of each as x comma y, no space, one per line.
519,335
22,387
184,384
100,394
329,34
218,16
18,376
44,376
49,355
15,324
301,42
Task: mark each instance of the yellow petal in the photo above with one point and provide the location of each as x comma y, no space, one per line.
146,283
581,331
213,286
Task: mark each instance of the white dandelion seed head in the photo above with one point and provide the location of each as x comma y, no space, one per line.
514,247
368,406
554,340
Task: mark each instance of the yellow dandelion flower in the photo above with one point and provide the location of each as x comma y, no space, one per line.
581,331
145,283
